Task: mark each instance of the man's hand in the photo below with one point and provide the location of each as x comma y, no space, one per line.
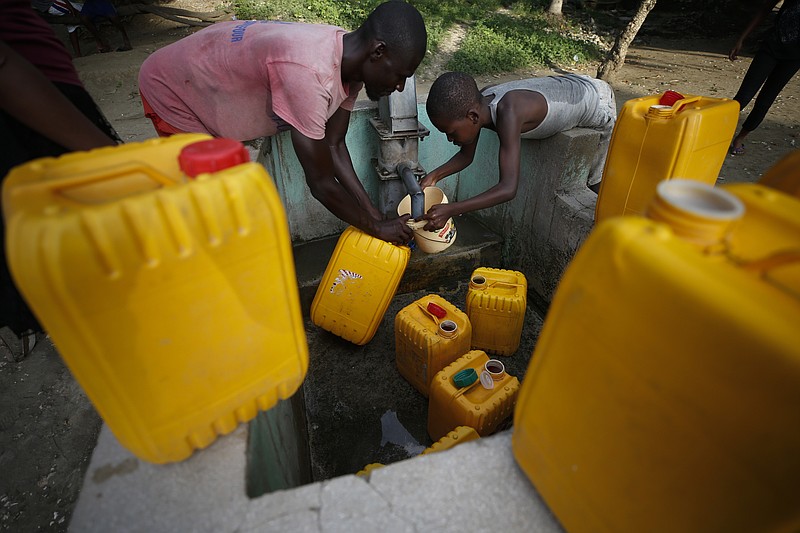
437,216
395,231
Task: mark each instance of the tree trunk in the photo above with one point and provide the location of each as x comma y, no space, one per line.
616,56
555,7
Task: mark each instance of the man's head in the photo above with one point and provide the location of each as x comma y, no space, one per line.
454,107
397,40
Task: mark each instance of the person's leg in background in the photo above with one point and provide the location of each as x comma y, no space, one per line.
98,9
770,71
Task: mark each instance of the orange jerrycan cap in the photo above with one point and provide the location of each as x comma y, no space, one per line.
436,310
212,155
465,378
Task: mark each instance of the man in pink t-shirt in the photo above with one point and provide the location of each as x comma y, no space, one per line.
249,79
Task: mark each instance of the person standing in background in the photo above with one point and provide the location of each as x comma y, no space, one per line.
775,63
44,111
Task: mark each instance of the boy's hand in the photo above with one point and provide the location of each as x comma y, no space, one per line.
428,181
395,231
437,216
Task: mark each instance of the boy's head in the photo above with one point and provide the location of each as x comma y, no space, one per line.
398,41
454,107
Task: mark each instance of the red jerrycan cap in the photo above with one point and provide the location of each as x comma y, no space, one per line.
211,156
670,97
436,310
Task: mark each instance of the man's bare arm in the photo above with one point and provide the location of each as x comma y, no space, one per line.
317,162
335,132
28,96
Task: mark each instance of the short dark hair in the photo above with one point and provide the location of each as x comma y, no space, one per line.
451,96
400,26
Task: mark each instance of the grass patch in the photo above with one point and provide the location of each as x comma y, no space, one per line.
502,37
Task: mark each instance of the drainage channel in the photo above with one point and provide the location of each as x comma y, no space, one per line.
354,408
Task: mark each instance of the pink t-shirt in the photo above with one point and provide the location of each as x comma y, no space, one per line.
249,79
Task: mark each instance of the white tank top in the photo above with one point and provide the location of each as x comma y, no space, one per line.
573,101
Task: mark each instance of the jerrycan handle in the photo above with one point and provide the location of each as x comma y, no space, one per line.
684,101
97,186
479,282
433,314
504,284
465,380
662,111
763,265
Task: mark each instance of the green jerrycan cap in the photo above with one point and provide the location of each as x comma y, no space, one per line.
465,378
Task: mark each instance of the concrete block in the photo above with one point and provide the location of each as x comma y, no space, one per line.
285,510
475,486
349,504
124,494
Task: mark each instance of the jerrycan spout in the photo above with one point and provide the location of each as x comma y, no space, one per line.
411,184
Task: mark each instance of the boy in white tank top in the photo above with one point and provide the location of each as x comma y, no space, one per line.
533,108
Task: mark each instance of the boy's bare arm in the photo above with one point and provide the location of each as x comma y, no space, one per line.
461,160
335,132
317,162
503,191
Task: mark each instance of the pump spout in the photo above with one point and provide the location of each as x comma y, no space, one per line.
412,186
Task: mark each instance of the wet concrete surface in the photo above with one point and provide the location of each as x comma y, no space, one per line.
360,409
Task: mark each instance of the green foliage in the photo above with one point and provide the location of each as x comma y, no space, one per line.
502,35
347,14
484,51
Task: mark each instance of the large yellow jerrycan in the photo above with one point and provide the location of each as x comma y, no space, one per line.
653,142
173,302
496,303
664,391
359,282
472,391
429,334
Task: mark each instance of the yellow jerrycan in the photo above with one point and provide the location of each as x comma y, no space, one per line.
664,391
173,301
459,435
359,282
653,142
496,304
430,333
784,175
472,391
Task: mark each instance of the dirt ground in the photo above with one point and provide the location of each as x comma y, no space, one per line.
47,426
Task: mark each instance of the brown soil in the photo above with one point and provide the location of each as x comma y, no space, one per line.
47,426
